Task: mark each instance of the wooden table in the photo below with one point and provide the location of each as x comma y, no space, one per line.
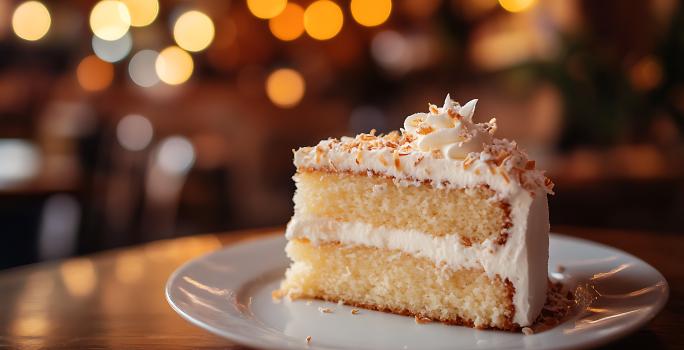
116,299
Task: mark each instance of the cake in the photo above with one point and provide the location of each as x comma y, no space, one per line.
439,220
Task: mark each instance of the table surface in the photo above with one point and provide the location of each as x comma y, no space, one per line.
115,299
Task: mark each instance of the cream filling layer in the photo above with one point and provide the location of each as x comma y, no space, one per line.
523,259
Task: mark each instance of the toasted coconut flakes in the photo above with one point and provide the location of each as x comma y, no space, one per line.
340,302
278,294
397,161
383,161
421,319
358,158
530,165
354,311
432,108
325,310
505,177
527,331
308,339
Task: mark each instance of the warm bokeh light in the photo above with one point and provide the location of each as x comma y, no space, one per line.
266,8
141,68
143,12
94,74
175,155
134,132
79,276
517,5
110,19
289,24
323,19
128,267
371,13
285,87
646,74
193,31
174,66
112,51
31,20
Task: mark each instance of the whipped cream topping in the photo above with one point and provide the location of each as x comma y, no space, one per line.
450,129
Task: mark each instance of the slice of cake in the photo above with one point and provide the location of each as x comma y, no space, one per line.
439,220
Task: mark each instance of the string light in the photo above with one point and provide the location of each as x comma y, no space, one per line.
285,87
289,24
371,13
517,5
112,51
193,31
323,19
266,9
143,12
31,20
141,68
110,19
94,74
174,66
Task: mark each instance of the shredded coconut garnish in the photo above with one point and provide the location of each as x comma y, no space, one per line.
308,340
421,319
325,310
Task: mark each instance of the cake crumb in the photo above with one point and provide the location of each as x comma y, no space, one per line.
308,339
277,295
354,311
560,268
422,319
527,331
325,310
308,303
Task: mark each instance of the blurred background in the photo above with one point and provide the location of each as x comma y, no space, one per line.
123,122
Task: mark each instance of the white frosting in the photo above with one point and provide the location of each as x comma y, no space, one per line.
522,260
447,149
450,129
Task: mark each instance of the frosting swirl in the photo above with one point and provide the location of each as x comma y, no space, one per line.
450,129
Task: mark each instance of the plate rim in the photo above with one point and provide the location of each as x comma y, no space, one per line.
238,338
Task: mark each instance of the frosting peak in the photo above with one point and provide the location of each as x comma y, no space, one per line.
450,129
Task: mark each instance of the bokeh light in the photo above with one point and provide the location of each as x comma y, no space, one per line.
79,276
20,161
266,9
517,5
174,66
143,12
31,20
371,13
175,155
289,24
141,68
110,19
392,51
94,74
285,87
193,31
134,132
112,51
323,19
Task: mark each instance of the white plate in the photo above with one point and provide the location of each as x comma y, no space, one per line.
229,293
